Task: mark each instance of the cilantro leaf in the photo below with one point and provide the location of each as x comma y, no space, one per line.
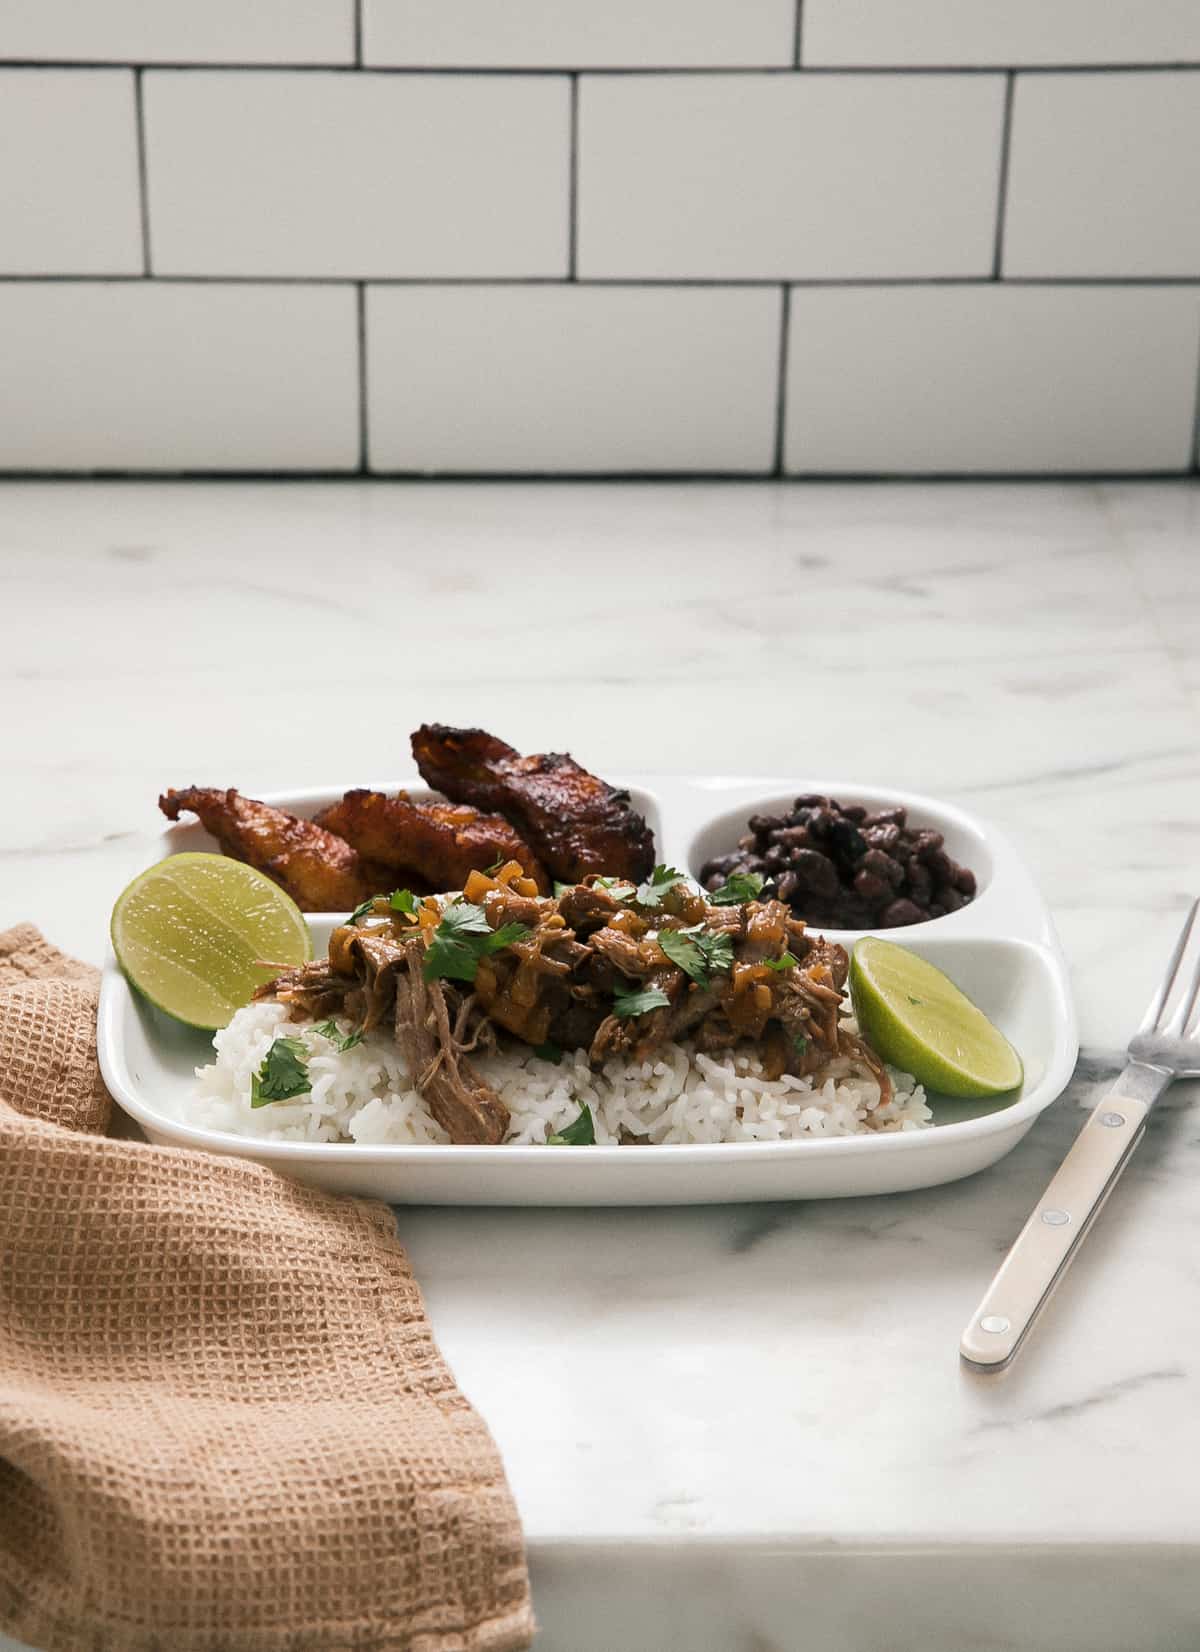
283,1074
329,1030
801,1043
403,900
580,1134
717,950
786,962
628,1004
548,1052
659,883
737,888
490,871
561,888
498,939
363,906
463,937
684,950
619,888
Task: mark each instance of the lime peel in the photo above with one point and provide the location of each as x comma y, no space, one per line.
917,1019
189,934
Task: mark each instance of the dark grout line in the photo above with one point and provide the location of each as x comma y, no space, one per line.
573,184
1195,456
181,66
361,289
1002,188
143,187
643,478
358,38
785,323
733,283
798,36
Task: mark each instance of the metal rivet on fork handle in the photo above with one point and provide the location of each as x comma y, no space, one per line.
995,1323
1113,1120
1056,1218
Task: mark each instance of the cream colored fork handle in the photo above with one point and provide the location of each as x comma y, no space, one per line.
1051,1238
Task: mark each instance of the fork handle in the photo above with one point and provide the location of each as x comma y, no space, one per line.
1051,1238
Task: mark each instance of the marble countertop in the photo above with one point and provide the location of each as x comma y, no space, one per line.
741,1427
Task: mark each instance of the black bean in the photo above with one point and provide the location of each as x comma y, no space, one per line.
811,800
882,837
792,837
920,884
884,867
870,887
949,897
764,823
964,881
847,842
886,817
788,885
820,821
900,913
856,813
928,843
815,871
776,857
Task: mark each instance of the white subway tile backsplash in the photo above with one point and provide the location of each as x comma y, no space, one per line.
570,34
1104,175
357,174
178,31
979,33
568,378
991,378
144,375
752,176
69,201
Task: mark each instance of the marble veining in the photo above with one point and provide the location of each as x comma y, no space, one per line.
712,1417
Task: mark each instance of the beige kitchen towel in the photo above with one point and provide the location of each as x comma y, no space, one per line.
224,1423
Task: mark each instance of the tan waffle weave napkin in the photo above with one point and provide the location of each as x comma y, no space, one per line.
224,1423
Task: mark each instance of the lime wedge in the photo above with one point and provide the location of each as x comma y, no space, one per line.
190,931
916,1018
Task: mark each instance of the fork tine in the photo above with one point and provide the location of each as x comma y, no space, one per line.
1178,1022
1159,1002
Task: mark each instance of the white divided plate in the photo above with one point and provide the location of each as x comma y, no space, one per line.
1001,949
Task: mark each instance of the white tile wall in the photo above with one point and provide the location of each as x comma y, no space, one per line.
561,234
525,34
282,173
1104,175
568,378
178,31
991,378
146,375
975,33
749,176
69,196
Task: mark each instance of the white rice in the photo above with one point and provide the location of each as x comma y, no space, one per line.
364,1095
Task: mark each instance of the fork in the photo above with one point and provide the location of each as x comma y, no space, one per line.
1161,1050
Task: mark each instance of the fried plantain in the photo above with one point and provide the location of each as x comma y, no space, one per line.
575,822
442,843
321,872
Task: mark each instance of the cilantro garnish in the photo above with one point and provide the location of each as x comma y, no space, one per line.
329,1030
786,962
283,1074
629,1004
717,947
580,1134
801,1043
738,888
464,937
548,1052
682,949
403,900
363,906
561,888
659,883
619,888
